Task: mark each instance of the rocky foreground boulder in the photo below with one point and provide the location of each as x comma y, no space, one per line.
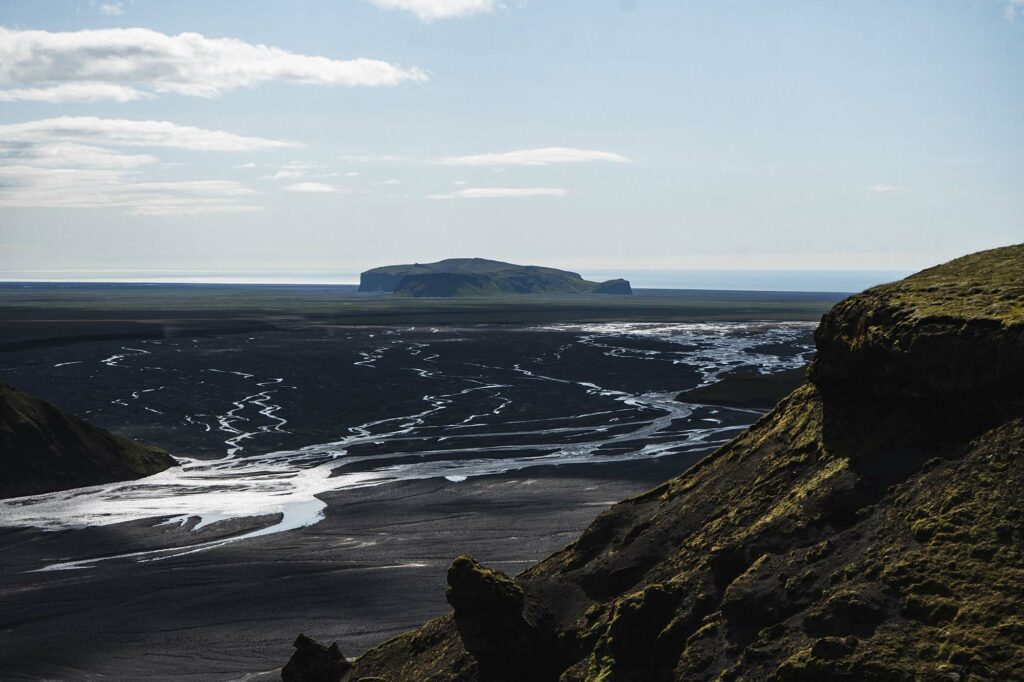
314,662
43,449
870,527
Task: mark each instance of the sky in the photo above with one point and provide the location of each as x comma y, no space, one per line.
309,140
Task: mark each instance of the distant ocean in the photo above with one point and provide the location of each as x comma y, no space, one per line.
736,280
753,280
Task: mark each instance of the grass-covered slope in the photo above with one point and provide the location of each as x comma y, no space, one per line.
43,449
870,527
481,277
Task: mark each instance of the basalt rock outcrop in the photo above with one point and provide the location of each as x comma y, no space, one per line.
870,527
43,449
481,277
314,662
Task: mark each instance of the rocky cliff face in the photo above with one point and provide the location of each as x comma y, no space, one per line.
378,281
871,527
614,286
43,449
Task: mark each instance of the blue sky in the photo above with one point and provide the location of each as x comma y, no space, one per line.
596,135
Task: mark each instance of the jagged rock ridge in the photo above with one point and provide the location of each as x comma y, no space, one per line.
481,277
43,449
870,527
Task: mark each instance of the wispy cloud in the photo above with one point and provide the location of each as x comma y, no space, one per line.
369,158
186,64
431,10
881,187
1012,7
502,193
311,187
74,92
122,132
76,163
292,170
111,9
57,154
534,157
28,186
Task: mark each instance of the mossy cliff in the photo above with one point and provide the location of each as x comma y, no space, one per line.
871,527
43,449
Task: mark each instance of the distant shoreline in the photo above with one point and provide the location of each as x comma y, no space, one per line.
354,288
688,280
61,313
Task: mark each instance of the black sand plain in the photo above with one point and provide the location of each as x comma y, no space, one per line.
521,397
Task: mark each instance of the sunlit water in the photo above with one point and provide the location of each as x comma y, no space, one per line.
469,428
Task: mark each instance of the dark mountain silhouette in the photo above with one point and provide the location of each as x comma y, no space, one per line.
481,277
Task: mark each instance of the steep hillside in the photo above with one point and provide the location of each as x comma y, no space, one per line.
481,277
870,527
43,449
748,388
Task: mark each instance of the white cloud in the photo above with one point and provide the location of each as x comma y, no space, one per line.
187,63
288,174
74,92
1012,7
430,10
68,155
370,158
28,186
881,187
223,188
111,9
502,193
300,169
311,187
70,163
121,132
534,157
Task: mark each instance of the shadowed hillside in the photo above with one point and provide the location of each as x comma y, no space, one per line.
43,449
868,528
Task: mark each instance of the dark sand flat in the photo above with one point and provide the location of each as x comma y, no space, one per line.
405,407
374,567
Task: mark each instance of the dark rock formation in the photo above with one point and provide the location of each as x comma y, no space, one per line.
43,449
746,389
481,277
870,527
614,286
314,662
950,332
495,629
380,280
